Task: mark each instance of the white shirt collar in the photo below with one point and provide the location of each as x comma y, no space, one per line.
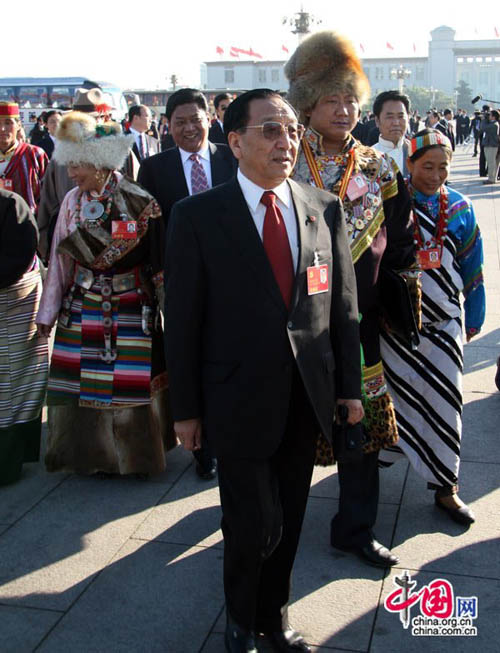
135,132
390,145
204,153
253,193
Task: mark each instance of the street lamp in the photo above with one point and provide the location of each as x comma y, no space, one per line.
400,73
301,21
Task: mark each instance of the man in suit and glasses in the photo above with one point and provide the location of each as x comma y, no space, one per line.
221,103
262,343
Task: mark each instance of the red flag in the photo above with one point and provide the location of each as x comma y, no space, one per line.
389,46
219,50
362,47
234,52
497,33
252,53
284,48
414,48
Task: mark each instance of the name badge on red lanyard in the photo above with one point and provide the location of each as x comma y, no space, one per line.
356,187
124,229
429,258
6,184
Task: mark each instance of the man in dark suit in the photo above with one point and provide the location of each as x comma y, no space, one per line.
48,140
262,343
216,132
144,145
168,175
194,165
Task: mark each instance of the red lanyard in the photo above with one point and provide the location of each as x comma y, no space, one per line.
441,227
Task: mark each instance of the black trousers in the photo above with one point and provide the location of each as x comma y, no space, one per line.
359,492
483,168
263,504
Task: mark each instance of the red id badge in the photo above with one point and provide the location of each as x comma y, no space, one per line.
6,184
317,279
356,187
429,258
124,229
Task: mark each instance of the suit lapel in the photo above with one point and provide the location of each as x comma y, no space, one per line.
307,215
178,177
239,226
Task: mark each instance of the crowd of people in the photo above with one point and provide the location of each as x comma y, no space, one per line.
253,286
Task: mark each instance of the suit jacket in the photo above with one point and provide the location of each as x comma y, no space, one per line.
231,342
216,133
47,144
163,175
152,145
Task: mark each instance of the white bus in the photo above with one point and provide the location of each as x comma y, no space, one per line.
37,94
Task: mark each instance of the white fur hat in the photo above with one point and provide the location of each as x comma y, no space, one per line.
79,139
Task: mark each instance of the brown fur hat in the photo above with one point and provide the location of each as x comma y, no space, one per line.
323,64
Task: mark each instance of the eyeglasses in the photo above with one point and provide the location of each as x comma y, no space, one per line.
274,130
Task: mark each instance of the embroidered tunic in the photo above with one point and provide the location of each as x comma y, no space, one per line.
379,232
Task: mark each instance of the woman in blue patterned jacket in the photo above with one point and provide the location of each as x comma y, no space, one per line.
426,383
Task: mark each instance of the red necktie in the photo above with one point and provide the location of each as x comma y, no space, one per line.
277,246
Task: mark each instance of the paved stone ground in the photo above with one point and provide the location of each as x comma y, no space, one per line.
89,565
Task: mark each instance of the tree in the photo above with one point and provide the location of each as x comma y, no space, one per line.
464,96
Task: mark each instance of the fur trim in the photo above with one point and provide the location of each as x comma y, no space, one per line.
323,64
81,140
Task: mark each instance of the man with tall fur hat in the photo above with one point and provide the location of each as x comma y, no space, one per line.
328,88
22,166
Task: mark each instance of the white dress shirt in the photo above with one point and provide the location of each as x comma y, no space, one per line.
187,164
137,136
396,152
253,194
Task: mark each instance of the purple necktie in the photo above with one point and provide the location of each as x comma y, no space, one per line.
199,181
142,149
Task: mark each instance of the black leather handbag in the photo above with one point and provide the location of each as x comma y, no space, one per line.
395,300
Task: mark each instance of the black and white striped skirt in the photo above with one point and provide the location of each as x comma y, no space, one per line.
426,387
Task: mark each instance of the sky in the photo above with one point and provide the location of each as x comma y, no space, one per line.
140,45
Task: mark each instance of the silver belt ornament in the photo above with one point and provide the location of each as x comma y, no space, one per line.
108,354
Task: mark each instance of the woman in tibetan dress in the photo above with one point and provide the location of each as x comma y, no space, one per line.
426,383
23,354
107,393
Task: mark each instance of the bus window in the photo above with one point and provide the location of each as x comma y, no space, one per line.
62,96
33,96
7,94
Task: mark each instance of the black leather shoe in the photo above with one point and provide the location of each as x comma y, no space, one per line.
373,553
287,640
207,472
238,640
462,515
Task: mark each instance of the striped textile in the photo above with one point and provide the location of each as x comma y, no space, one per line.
77,373
426,384
23,355
26,169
